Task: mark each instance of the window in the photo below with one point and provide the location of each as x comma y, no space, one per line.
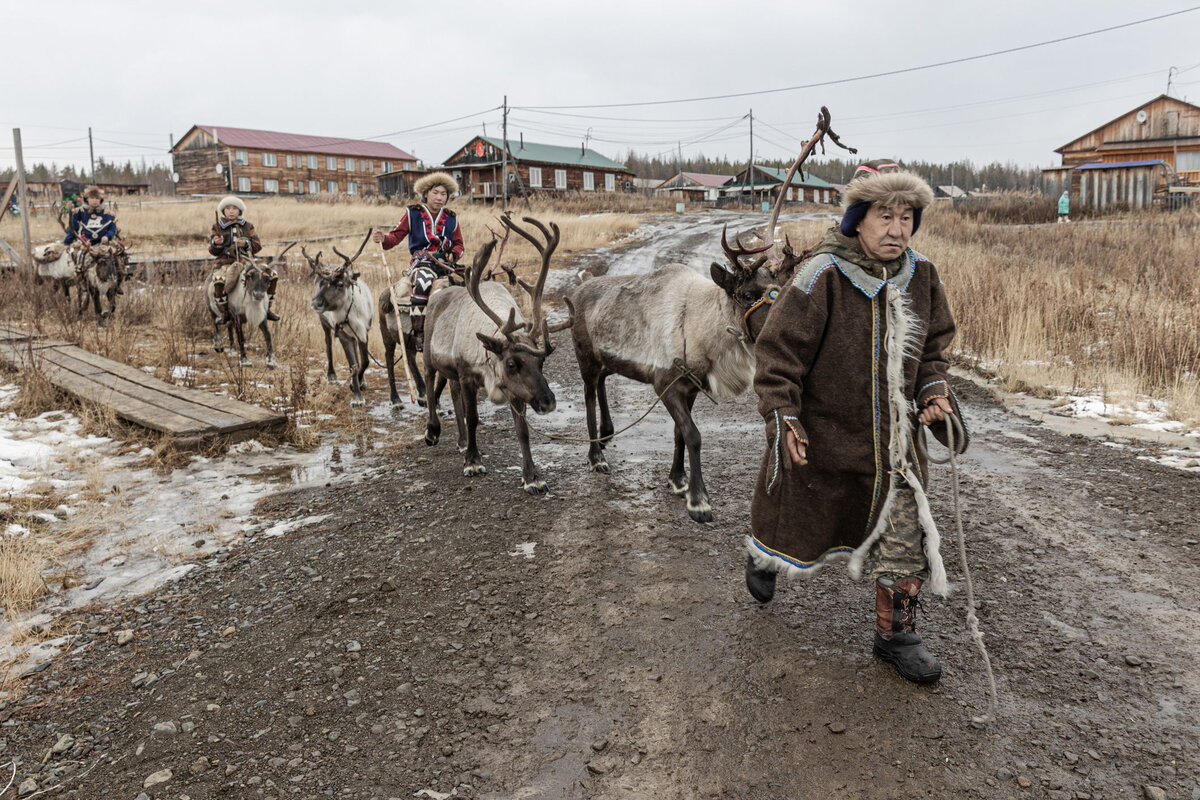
387,167
610,182
271,185
560,179
291,187
535,177
243,184
299,187
289,162
826,195
351,188
314,186
1187,161
330,162
270,160
589,182
312,163
350,165
241,158
333,187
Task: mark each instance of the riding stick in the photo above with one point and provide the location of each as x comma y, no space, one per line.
408,378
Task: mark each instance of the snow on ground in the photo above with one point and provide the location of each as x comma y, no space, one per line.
144,526
1141,412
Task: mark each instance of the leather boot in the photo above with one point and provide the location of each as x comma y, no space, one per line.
271,315
760,582
896,639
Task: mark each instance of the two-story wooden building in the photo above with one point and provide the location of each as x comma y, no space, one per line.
212,159
532,167
1128,160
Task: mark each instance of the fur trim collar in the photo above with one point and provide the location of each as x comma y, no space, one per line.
433,179
231,200
893,189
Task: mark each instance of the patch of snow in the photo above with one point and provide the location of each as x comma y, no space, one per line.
523,549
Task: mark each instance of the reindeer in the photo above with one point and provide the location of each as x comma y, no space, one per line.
682,334
102,267
247,304
476,338
56,263
346,310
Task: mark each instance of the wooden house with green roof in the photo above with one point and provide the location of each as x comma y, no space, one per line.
536,168
764,182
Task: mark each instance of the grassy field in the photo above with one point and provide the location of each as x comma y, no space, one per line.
1109,307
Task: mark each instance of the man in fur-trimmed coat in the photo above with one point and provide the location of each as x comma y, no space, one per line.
850,361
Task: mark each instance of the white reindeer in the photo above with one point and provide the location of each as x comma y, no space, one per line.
346,309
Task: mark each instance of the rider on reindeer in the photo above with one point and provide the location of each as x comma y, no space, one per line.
233,238
435,242
94,228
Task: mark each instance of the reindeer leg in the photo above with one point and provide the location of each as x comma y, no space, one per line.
240,327
474,461
363,356
410,354
389,360
350,348
595,449
330,375
266,332
606,423
433,428
460,417
531,481
679,405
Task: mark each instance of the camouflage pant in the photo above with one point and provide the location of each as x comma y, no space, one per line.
900,549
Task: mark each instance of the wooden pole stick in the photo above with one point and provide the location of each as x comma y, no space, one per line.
408,378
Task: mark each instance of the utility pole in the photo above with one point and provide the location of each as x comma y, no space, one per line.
23,197
504,153
92,154
750,167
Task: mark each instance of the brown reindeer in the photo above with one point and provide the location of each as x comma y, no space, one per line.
476,338
679,332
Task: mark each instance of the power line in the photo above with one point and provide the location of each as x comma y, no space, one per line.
873,75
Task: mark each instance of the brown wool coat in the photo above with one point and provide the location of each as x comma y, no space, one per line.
823,369
224,251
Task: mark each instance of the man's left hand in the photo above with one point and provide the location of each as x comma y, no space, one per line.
936,411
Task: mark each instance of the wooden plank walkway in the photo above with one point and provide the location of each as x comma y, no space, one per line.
133,395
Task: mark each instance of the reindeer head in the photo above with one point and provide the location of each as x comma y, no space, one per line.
518,357
333,283
748,285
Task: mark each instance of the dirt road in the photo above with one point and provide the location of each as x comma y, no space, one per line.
455,635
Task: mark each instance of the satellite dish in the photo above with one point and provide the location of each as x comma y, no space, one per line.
1141,115
220,168
174,177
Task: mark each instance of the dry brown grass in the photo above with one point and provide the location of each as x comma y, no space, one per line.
1109,307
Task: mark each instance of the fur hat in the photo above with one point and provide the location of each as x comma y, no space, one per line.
93,191
883,185
433,179
230,200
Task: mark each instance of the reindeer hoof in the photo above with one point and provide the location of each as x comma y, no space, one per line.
272,363
536,488
218,349
421,401
331,379
397,402
432,438
600,466
680,489
700,512
472,470
357,401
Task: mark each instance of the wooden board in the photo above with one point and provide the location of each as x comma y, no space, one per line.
132,394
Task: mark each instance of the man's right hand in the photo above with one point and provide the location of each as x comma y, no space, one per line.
797,450
377,237
218,239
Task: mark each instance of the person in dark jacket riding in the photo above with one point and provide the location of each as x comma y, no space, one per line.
95,229
435,241
231,239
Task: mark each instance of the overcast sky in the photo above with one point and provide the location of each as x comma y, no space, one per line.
365,69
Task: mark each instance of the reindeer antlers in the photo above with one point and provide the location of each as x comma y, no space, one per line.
349,260
552,236
314,264
477,267
734,254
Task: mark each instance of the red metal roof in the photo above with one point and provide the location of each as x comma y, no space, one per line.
705,179
296,142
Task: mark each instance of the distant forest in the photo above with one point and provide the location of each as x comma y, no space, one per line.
965,174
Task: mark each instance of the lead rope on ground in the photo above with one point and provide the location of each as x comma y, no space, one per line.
684,372
954,429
